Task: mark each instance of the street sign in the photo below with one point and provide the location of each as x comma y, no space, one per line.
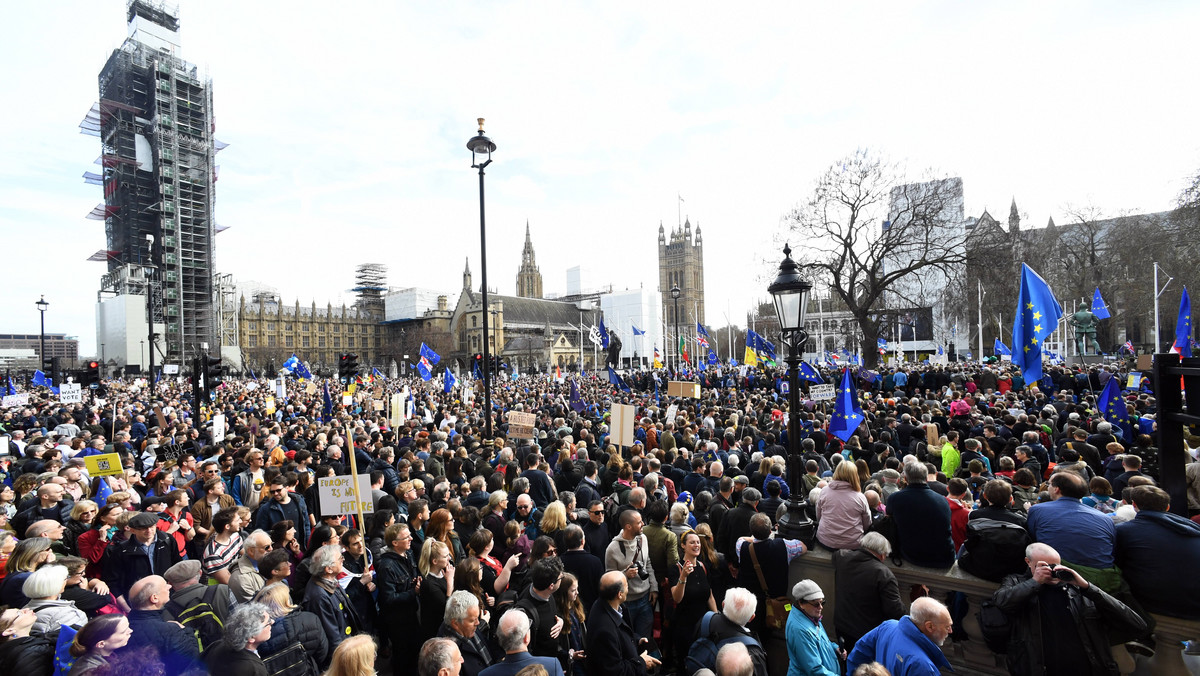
336,494
821,392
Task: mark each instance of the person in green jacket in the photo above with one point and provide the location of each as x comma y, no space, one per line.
951,458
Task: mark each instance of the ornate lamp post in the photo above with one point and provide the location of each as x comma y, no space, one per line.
675,295
790,293
41,306
481,148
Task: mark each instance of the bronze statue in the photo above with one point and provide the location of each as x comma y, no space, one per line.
614,350
1085,330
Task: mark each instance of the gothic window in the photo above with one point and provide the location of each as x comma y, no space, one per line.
287,342
270,341
253,341
306,341
474,321
253,326
321,341
337,342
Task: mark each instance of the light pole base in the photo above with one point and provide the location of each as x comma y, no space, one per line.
795,523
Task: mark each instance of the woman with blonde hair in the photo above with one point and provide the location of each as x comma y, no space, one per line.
843,515
25,558
82,515
292,625
436,586
21,653
354,657
554,523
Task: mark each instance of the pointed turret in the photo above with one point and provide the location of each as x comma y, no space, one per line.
1014,218
1050,223
662,234
467,276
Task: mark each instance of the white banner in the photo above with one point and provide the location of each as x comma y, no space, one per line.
13,400
821,392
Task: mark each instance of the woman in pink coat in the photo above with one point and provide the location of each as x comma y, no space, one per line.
843,515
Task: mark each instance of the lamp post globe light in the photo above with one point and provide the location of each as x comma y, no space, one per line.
481,148
790,294
675,293
41,306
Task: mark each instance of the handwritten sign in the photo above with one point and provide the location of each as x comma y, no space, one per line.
337,495
397,410
103,465
520,425
70,393
821,392
672,412
270,405
621,424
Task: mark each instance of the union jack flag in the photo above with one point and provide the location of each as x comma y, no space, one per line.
1129,346
701,335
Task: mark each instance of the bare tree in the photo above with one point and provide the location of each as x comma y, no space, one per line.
874,236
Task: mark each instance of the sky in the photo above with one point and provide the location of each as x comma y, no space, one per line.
348,123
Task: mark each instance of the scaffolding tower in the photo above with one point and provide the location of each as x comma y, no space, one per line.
370,285
155,124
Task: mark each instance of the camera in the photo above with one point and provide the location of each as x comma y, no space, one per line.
1063,574
641,571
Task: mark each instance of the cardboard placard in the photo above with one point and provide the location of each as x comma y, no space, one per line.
347,399
678,388
621,420
172,452
397,410
270,406
104,464
1145,362
336,494
931,435
311,389
377,404
672,411
822,392
520,425
162,419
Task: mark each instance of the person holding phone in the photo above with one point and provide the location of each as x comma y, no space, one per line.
1060,622
104,531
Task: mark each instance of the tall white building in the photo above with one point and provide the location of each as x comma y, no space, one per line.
641,308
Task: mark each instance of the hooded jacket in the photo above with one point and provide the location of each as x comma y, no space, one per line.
900,647
1143,545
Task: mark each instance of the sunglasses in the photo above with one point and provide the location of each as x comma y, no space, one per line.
598,511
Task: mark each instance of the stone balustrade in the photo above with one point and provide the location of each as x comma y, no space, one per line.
972,656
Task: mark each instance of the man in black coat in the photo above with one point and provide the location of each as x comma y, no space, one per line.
867,591
922,520
399,585
178,649
148,551
736,523
462,625
611,647
585,566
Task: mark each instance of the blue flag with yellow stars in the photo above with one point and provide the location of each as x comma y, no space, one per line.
1099,307
847,414
1038,312
450,381
1113,408
1000,348
576,399
1183,327
62,650
807,372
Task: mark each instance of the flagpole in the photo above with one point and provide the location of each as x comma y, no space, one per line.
980,283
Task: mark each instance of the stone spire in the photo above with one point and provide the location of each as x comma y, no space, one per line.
1014,218
529,277
467,276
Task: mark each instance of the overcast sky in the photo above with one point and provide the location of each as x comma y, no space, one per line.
348,124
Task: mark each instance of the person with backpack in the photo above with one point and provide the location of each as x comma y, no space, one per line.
177,647
727,627
203,608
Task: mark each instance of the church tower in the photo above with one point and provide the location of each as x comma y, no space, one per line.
467,276
681,263
529,278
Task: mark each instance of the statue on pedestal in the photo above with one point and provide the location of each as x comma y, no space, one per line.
1085,331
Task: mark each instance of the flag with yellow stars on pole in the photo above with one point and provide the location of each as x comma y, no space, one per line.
1183,327
847,414
1038,312
1113,408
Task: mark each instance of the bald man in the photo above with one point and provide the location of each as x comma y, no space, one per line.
178,649
909,645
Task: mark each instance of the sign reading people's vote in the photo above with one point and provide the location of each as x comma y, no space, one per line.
336,494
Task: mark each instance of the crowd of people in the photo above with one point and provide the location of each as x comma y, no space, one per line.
563,553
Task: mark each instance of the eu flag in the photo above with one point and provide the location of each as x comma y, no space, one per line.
41,380
637,331
1038,312
62,650
807,372
450,382
102,492
603,334
1112,406
423,366
617,380
1099,307
430,355
9,389
328,403
846,413
1183,327
712,358
1000,348
576,400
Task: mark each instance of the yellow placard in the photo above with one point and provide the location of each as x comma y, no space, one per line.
104,464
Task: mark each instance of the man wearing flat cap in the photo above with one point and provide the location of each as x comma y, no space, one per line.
148,551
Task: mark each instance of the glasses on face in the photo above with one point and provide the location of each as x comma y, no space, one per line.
597,512
552,550
819,603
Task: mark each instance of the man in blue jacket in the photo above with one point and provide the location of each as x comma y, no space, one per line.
1153,548
909,645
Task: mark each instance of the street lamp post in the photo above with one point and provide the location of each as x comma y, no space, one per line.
142,360
675,295
481,148
41,306
790,293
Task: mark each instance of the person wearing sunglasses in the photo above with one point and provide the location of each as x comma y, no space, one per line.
810,651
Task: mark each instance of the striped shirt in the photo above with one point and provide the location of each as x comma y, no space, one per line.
219,556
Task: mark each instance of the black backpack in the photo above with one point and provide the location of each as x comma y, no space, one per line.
200,617
995,626
994,549
291,661
703,652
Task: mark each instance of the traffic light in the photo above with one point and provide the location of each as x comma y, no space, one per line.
92,377
347,367
213,373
